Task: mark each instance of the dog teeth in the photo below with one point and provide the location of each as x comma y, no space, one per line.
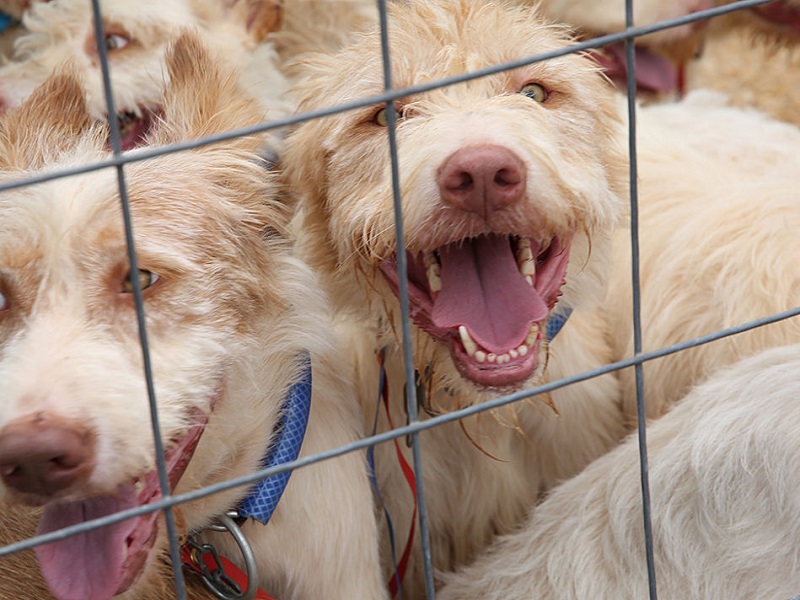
525,261
491,357
529,279
513,353
480,356
522,350
469,344
434,272
532,335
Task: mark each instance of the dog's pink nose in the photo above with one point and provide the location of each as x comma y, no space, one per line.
42,454
481,179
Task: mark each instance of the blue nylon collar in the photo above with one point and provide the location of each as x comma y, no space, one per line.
556,321
290,430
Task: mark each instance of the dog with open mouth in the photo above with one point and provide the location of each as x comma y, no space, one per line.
511,185
753,55
136,36
660,56
233,320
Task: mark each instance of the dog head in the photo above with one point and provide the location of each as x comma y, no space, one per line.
136,36
510,185
658,55
775,21
75,425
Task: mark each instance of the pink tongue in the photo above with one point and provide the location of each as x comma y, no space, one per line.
87,566
654,73
483,290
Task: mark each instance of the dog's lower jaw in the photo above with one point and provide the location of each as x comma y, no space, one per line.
105,562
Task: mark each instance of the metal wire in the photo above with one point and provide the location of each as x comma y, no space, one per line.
116,147
414,426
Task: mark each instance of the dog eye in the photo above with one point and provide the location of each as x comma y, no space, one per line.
535,92
146,279
380,118
115,41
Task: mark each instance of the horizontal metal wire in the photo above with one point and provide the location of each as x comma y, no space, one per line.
400,432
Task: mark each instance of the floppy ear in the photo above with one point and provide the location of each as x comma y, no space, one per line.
257,18
51,122
202,98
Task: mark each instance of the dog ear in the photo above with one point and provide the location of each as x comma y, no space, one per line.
259,17
52,121
202,98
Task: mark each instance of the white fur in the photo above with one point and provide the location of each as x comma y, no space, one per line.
227,320
725,508
479,480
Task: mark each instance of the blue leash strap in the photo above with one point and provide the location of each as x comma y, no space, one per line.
291,428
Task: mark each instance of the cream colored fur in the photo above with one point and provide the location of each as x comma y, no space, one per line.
753,62
480,477
725,508
227,319
717,235
138,34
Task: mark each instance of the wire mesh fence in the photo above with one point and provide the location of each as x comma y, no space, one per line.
415,426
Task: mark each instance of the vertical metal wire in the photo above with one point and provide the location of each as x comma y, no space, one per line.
402,275
161,467
630,59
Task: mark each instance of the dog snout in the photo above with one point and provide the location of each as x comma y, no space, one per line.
481,179
43,454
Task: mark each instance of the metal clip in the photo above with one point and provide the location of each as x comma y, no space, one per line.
216,579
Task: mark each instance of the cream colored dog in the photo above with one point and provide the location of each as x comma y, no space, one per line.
659,55
136,37
717,241
511,186
725,510
753,56
230,315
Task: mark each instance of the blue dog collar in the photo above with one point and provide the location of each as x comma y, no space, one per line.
556,322
290,430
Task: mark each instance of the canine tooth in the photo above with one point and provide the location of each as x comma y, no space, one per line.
480,356
529,279
429,259
523,243
527,267
532,335
523,350
524,254
469,344
491,357
434,277
513,353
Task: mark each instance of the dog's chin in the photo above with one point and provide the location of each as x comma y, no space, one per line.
487,300
107,561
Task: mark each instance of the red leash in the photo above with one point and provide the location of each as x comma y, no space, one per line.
402,565
230,570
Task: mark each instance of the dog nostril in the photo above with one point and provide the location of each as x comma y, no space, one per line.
45,456
506,177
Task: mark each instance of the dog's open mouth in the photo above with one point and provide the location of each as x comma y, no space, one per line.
488,298
104,562
654,73
781,14
135,125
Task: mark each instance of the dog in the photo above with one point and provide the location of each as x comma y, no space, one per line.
751,56
136,37
549,208
660,56
725,514
716,243
233,319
